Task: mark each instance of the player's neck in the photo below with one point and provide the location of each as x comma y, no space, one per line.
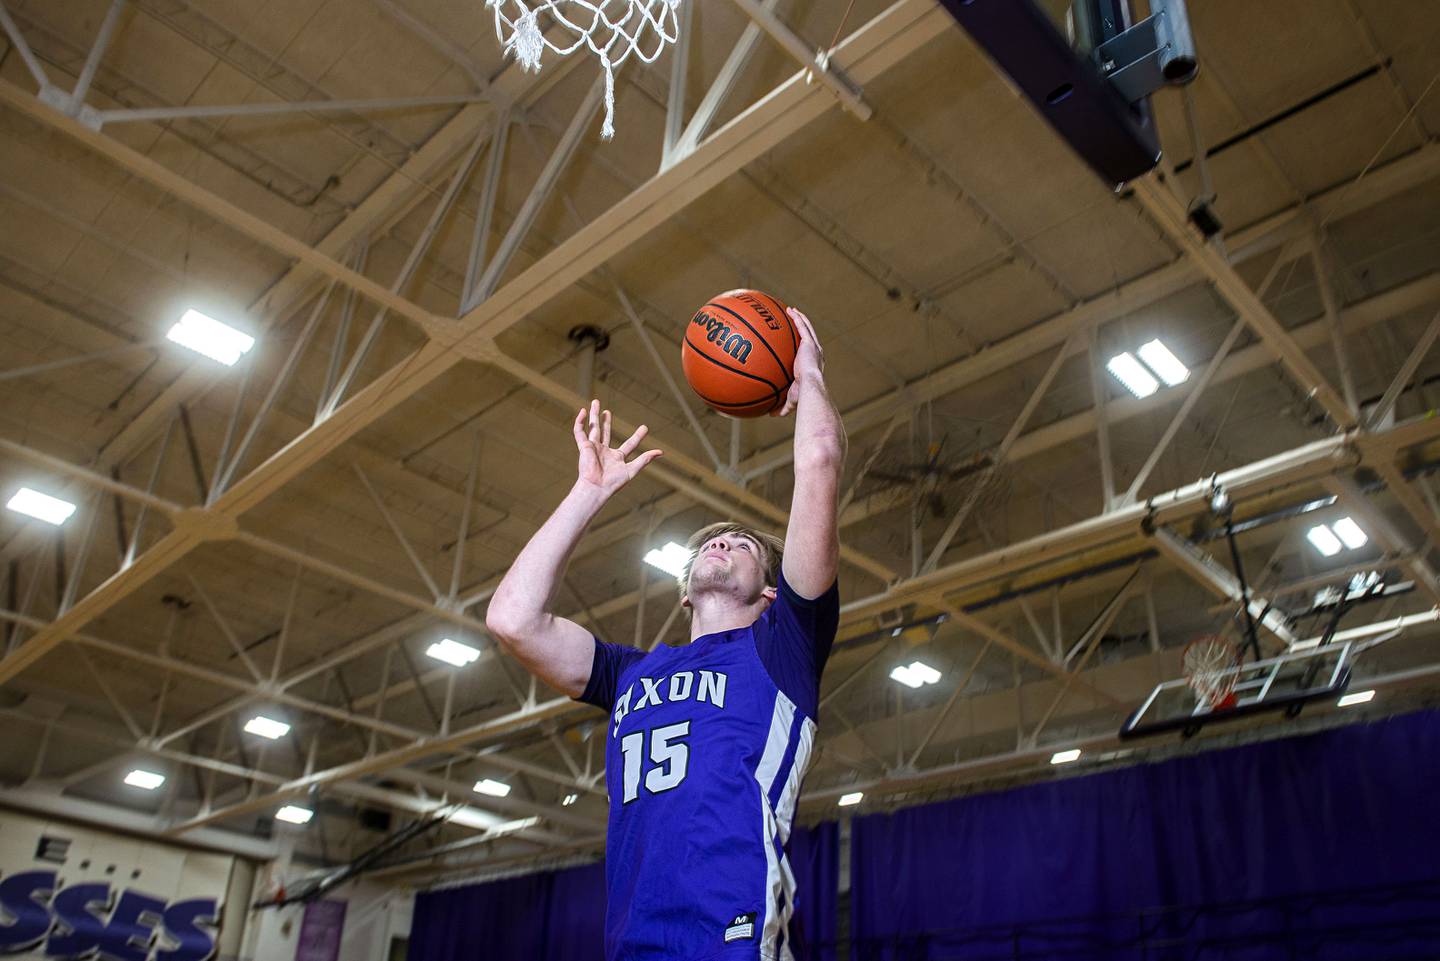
724,612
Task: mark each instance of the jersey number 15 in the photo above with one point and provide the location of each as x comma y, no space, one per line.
668,751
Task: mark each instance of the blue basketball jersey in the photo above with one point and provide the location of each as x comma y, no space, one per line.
705,749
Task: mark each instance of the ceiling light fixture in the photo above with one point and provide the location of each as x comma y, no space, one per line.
569,800
43,507
208,336
294,815
1159,359
671,558
1350,533
1065,757
846,800
148,780
1325,542
915,674
266,727
453,652
492,787
1359,697
1128,371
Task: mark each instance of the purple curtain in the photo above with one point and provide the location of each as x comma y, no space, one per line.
560,915
814,857
1308,847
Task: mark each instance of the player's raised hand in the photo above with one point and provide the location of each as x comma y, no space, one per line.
809,359
602,466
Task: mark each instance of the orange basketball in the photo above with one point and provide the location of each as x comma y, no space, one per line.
739,353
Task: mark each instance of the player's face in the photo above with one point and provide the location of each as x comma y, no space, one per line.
729,562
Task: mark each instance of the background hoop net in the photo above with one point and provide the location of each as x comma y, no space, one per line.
614,30
1209,663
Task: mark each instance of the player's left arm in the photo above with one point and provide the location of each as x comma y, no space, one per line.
812,538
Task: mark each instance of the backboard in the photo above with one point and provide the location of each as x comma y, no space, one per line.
1283,683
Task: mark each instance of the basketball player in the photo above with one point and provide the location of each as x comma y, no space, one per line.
706,743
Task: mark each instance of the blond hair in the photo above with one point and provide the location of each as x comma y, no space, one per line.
772,549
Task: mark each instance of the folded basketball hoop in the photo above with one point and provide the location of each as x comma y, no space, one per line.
614,30
1210,662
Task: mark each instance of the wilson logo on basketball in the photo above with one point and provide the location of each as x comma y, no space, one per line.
719,333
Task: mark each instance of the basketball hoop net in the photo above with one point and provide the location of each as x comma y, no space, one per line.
614,30
1209,663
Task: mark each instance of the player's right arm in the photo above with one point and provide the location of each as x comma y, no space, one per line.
555,649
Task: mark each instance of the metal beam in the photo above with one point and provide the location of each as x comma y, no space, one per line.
1321,266
288,107
1379,526
385,760
555,165
418,250
998,457
1098,389
1402,377
1302,465
215,524
1247,243
1097,631
485,209
1209,574
719,89
97,50
222,210
1405,496
17,40
675,99
1311,462
399,534
874,48
815,64
1198,387
1169,213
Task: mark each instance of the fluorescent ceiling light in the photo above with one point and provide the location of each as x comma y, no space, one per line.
915,674
671,558
206,335
1350,533
1324,541
846,800
452,652
1359,697
148,780
1065,757
1159,359
569,800
294,815
51,510
1137,379
492,787
903,675
266,727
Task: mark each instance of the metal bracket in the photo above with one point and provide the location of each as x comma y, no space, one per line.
1157,51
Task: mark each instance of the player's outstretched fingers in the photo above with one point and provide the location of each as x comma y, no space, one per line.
605,429
579,429
595,421
641,462
633,441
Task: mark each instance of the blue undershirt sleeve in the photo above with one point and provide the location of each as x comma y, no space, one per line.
795,642
610,661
